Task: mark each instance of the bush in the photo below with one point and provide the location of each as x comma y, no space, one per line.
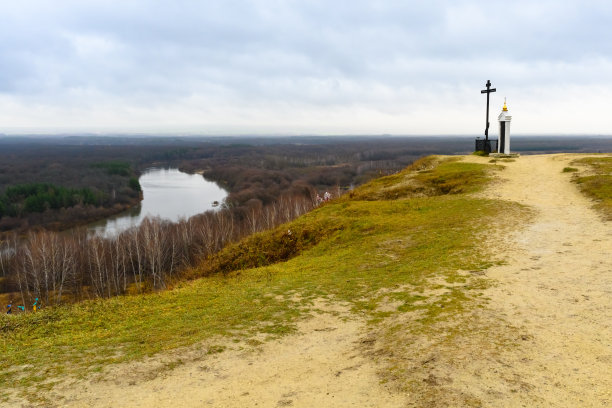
269,247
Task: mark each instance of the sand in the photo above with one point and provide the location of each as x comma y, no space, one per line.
555,292
557,289
321,366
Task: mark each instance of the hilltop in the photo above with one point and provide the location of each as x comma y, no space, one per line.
460,281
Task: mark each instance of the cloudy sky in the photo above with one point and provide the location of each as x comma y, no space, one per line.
304,67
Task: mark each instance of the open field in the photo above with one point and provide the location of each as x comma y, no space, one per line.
420,289
370,246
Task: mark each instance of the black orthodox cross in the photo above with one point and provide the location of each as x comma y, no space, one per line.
487,91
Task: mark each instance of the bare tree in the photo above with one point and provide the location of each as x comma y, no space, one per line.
49,265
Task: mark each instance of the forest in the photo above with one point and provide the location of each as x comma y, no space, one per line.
57,187
50,184
69,181
59,182
59,268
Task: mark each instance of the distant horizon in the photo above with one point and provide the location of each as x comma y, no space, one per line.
277,135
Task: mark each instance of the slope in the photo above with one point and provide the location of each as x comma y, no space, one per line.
392,295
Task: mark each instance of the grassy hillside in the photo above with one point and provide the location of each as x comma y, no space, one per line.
409,240
596,182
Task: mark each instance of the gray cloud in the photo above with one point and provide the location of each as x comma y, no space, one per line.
288,66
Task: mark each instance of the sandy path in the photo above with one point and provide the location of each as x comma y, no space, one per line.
557,289
321,366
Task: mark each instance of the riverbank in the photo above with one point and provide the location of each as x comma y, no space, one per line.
323,256
72,217
169,194
408,300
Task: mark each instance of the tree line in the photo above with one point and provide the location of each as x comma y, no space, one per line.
58,187
59,268
252,169
24,199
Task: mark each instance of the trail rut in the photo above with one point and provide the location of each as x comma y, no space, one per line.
555,288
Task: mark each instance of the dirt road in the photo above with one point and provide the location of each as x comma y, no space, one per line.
555,290
319,367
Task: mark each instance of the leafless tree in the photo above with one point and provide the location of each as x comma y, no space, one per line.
50,265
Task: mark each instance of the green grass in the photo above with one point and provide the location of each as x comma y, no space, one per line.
597,185
389,234
428,177
569,170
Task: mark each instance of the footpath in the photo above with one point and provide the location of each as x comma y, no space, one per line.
556,287
554,291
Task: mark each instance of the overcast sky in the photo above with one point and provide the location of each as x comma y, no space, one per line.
304,67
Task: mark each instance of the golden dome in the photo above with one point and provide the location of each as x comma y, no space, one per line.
505,108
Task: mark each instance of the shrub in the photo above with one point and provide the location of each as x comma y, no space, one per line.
269,247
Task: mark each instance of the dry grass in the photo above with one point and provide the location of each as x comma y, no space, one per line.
596,182
386,244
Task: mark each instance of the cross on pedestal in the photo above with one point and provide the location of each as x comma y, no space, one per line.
487,91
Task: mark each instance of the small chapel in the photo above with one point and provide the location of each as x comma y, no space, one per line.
503,144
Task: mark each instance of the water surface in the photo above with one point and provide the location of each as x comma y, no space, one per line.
167,193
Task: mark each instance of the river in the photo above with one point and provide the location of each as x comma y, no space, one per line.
167,193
